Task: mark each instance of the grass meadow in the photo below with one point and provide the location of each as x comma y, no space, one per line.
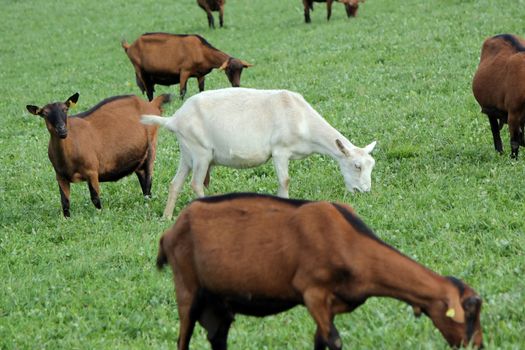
400,73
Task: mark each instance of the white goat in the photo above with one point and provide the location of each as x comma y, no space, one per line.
242,128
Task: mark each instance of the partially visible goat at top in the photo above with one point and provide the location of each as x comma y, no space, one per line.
351,7
260,255
104,143
213,5
242,128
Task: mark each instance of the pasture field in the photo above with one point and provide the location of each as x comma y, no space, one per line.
400,73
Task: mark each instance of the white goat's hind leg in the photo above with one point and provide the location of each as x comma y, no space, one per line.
281,168
199,175
175,187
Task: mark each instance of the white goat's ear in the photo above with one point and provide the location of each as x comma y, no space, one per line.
224,65
369,148
342,148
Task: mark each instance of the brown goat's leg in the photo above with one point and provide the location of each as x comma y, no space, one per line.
63,186
184,76
221,15
328,9
201,83
306,11
317,301
217,321
187,313
141,175
175,187
514,129
94,190
494,127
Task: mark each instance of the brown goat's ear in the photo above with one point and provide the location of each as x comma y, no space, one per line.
342,148
455,310
246,64
34,110
72,101
224,65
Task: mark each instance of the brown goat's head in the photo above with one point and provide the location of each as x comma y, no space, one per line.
233,68
458,316
55,115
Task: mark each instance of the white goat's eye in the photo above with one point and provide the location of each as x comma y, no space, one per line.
357,166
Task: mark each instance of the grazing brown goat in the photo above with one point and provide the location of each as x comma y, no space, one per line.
260,255
104,143
351,7
213,5
167,59
499,87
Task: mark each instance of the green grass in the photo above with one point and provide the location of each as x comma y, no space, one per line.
400,73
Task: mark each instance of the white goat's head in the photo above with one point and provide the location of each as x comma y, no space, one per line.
356,165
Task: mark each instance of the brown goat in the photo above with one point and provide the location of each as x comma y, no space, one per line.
260,255
167,59
213,5
104,143
351,7
499,89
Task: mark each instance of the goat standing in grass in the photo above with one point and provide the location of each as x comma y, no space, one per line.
213,5
260,255
499,88
242,128
167,59
351,7
104,143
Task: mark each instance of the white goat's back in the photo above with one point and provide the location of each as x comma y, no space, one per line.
244,126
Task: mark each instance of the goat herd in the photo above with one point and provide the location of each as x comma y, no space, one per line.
258,254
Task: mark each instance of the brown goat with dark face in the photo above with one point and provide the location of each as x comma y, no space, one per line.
213,5
499,87
104,143
260,255
167,59
351,7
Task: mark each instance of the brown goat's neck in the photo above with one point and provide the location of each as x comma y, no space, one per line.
393,274
217,57
58,151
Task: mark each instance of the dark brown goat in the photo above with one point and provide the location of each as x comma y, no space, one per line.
260,255
351,7
167,59
213,5
499,87
104,143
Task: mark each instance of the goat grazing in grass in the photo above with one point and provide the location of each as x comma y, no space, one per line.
499,87
213,5
167,59
104,143
351,7
242,128
260,255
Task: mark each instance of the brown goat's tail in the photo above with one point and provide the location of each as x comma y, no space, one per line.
124,44
162,259
161,100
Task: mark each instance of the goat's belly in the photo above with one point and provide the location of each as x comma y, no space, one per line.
240,159
259,307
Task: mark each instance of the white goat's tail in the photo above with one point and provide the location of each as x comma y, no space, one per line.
151,119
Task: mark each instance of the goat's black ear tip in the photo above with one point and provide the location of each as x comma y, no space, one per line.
75,96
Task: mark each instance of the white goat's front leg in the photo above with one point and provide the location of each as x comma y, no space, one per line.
175,187
280,162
